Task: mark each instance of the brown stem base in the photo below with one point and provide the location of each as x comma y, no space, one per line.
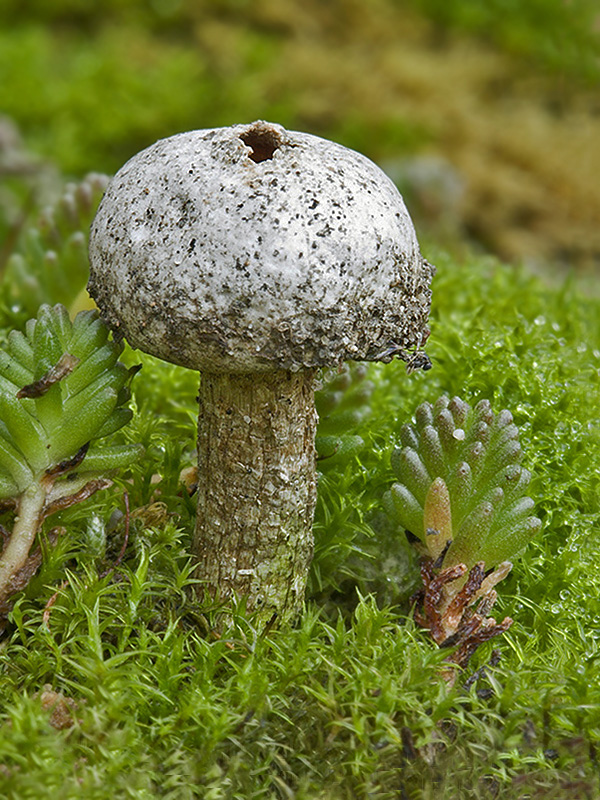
256,489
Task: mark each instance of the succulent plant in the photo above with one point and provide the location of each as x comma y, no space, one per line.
62,389
49,262
14,159
460,498
342,403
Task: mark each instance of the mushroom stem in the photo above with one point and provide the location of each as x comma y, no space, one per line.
257,489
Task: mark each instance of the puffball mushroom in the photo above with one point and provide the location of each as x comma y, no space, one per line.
257,255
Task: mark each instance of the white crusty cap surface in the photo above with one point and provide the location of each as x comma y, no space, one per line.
253,248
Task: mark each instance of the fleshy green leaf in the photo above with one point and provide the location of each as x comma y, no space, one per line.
61,387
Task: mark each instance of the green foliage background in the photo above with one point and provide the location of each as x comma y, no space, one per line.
503,92
349,703
111,77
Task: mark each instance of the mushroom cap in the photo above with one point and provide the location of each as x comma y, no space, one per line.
253,248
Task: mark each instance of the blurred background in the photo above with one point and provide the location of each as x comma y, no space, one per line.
486,113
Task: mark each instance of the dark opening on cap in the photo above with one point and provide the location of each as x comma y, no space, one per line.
263,140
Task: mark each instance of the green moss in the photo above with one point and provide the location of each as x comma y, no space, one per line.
349,703
343,705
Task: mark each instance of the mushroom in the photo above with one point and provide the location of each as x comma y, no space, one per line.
257,255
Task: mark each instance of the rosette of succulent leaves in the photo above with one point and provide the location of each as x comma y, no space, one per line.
460,497
62,390
342,403
44,255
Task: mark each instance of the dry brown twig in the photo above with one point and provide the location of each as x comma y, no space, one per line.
453,605
21,578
